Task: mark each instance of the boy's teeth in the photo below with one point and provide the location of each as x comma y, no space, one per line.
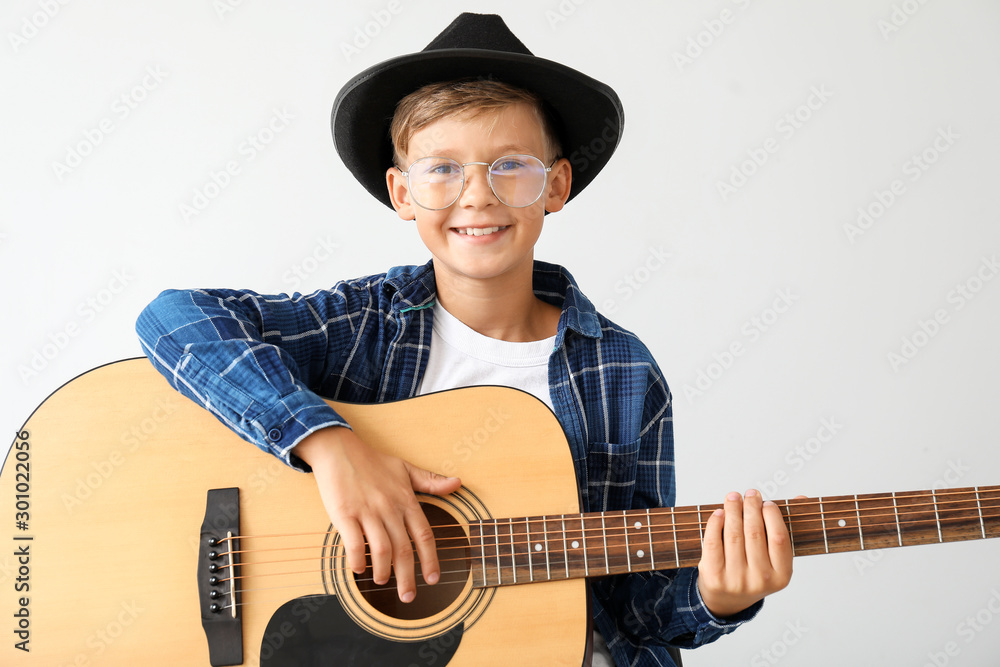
479,231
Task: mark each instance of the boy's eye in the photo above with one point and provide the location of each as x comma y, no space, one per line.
442,169
508,165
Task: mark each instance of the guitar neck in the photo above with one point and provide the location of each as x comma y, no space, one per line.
543,548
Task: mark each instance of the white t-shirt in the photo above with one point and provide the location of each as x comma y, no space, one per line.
462,357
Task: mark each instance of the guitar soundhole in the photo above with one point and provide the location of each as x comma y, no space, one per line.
453,557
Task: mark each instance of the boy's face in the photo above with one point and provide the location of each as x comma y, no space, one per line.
457,254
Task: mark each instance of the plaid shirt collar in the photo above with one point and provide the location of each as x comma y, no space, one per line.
414,289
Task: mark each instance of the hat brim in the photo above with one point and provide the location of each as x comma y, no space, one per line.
588,113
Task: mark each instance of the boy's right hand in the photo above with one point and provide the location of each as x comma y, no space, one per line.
370,495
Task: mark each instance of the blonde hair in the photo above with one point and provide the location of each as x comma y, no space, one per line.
464,97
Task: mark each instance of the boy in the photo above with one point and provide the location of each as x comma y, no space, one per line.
479,133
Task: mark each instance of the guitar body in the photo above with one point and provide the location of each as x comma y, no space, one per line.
103,497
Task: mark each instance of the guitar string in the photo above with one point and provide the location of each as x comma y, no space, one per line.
820,502
674,545
681,526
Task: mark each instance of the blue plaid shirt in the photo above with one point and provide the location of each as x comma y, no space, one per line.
261,363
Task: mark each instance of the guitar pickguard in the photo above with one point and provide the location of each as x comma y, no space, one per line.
315,631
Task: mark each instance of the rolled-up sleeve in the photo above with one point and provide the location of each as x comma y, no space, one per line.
253,361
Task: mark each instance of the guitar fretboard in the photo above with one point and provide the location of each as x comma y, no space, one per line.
542,548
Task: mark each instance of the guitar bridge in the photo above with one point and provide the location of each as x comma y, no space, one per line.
218,577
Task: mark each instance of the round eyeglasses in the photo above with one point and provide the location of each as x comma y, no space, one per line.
437,182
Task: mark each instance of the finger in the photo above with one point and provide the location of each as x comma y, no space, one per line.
380,551
426,481
713,557
402,562
354,545
732,533
755,532
423,541
778,540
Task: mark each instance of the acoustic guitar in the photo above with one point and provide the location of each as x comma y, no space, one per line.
143,532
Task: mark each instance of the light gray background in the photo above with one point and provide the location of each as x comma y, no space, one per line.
84,248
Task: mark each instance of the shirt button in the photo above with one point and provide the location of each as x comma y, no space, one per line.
274,435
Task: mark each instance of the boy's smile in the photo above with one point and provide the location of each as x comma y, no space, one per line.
478,237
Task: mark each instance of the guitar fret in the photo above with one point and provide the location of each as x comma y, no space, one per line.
477,528
496,542
565,550
979,507
545,541
628,549
532,544
822,522
701,528
532,547
673,526
604,537
513,555
791,536
482,551
583,533
649,530
937,517
895,511
857,511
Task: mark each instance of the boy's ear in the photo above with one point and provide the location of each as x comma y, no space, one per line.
399,193
557,191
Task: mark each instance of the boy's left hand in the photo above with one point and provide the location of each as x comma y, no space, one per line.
746,554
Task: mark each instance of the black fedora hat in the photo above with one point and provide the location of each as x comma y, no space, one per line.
587,113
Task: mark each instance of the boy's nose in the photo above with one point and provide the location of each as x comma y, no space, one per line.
477,190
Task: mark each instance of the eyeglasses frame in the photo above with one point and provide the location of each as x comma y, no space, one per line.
489,178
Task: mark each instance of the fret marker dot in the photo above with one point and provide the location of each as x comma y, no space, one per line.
574,544
841,523
538,547
640,553
638,525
